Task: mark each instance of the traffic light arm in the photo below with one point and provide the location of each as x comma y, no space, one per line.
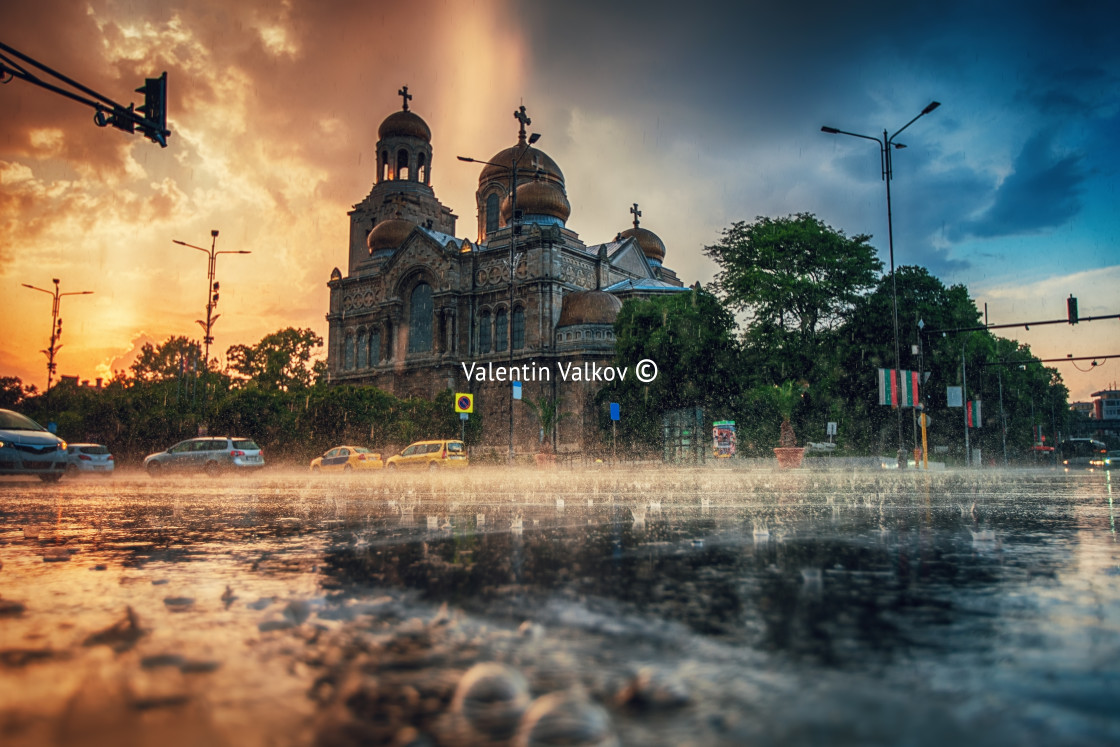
153,123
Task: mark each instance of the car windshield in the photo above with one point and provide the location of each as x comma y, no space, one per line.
245,445
457,445
13,421
94,450
361,450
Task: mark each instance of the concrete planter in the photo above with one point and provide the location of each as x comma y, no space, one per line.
789,457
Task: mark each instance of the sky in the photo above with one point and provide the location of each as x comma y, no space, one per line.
703,113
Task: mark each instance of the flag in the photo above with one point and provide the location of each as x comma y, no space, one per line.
908,390
888,387
974,420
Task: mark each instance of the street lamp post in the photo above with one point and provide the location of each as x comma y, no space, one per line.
56,325
885,145
523,145
211,289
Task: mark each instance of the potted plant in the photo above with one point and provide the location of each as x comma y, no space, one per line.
785,398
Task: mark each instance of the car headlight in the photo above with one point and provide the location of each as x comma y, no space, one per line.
62,446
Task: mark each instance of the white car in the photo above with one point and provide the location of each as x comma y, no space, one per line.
89,458
27,448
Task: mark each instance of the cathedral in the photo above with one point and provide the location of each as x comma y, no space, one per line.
420,310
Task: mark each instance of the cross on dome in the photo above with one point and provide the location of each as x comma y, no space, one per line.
406,96
636,213
523,118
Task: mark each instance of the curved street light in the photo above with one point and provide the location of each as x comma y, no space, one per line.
885,144
56,325
211,288
523,145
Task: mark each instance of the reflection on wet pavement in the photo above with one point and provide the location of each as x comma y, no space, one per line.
666,607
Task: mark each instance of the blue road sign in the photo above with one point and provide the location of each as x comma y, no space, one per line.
615,411
464,416
517,390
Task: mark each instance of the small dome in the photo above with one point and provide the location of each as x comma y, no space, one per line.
588,307
538,197
527,164
388,234
652,246
404,124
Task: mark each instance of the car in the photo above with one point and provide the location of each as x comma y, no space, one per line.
1111,460
347,459
430,455
27,448
1082,452
210,454
91,458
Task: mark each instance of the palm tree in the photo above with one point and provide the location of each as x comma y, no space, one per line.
785,398
547,412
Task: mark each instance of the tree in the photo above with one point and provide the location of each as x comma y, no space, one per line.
281,360
548,414
11,392
794,273
691,338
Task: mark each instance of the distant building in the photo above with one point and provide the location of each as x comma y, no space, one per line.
417,304
82,383
1101,415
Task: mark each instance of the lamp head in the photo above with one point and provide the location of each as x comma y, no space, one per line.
214,233
464,158
931,106
534,137
830,130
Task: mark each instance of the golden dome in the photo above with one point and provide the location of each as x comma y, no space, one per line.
652,246
404,124
389,234
527,164
588,307
538,197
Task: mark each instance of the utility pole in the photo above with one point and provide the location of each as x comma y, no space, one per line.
56,326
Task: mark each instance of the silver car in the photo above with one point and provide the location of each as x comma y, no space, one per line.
89,458
27,448
209,454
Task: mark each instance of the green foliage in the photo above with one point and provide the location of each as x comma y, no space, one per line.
281,360
548,414
795,273
11,392
691,338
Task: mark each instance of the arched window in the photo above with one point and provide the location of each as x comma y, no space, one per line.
362,357
421,169
374,348
348,354
518,328
402,164
484,332
384,165
501,330
492,213
420,319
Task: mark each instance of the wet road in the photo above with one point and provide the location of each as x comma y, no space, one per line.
661,607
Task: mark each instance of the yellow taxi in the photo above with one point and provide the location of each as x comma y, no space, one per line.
430,455
346,459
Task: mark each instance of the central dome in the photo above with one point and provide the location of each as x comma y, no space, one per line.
529,159
404,124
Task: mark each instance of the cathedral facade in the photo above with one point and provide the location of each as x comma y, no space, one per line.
420,310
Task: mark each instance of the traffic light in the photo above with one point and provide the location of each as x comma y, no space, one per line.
1071,309
155,109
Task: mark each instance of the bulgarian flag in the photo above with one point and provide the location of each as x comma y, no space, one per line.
973,414
888,387
898,388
